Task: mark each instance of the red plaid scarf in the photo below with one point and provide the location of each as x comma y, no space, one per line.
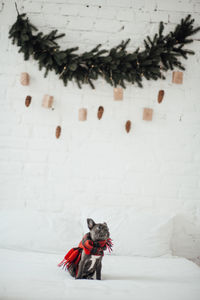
72,258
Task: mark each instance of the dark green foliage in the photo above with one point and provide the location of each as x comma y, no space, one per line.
116,66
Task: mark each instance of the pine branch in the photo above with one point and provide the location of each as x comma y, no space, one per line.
116,65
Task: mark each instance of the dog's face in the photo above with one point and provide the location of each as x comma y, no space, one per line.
98,232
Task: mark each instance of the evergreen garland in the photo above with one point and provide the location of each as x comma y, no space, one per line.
116,65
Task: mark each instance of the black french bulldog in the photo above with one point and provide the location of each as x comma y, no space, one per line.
90,264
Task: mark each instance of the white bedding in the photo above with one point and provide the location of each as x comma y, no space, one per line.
32,275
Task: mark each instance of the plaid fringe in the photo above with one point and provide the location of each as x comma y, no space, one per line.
73,256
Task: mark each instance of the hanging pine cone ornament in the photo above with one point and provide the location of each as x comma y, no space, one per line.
24,78
128,126
160,96
58,132
28,101
100,112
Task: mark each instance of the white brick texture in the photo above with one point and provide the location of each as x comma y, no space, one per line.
155,166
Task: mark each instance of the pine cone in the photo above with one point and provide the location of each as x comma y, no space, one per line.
28,101
128,126
58,132
160,96
100,112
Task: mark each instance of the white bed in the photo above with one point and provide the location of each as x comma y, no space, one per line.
32,275
141,266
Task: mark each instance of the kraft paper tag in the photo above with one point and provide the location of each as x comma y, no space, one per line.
118,93
147,114
47,101
82,115
24,79
177,77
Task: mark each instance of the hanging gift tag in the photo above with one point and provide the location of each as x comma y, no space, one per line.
47,101
58,132
160,96
177,77
82,114
100,112
118,93
128,126
24,79
28,100
147,114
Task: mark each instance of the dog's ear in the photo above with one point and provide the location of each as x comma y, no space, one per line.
105,223
90,223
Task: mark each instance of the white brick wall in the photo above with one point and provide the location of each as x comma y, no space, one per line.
155,166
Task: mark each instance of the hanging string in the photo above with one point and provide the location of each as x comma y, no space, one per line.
16,8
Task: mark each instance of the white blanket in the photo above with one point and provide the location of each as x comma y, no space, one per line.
32,275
